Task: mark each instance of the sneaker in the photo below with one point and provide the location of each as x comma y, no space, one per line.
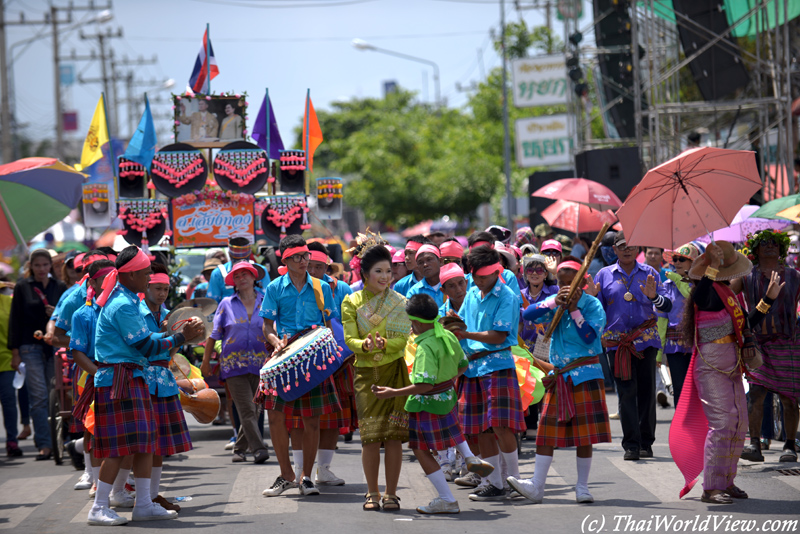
440,506
131,481
165,504
85,482
229,446
470,480
279,486
130,489
307,487
93,491
488,493
325,477
261,456
631,455
104,516
527,489
479,467
614,415
646,452
583,496
661,398
122,499
13,450
153,512
448,472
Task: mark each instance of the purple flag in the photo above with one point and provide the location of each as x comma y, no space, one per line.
260,131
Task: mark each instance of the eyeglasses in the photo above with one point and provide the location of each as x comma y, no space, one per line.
535,270
445,261
551,253
622,247
676,259
297,258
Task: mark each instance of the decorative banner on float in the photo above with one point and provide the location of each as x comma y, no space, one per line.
95,206
540,81
209,222
543,141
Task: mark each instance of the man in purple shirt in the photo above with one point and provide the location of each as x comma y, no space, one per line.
629,291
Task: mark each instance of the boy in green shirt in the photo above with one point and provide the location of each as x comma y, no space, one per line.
433,422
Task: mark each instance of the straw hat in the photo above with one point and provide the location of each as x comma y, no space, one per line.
734,264
688,251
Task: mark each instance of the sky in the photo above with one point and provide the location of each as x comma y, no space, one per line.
286,45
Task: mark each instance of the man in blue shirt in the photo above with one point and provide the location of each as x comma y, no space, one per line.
428,260
489,403
239,248
415,275
290,307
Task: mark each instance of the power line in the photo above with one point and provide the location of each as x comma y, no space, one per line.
287,6
308,39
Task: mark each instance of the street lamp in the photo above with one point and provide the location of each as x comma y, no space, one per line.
360,44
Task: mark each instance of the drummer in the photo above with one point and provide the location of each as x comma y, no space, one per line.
172,434
290,307
346,420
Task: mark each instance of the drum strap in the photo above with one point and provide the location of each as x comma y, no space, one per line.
320,297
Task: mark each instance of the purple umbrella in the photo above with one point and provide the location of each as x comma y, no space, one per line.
743,225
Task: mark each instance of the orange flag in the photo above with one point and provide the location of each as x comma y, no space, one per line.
312,133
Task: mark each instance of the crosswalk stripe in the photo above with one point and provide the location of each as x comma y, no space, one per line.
246,499
28,494
663,480
791,481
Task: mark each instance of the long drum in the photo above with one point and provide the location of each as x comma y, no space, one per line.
302,365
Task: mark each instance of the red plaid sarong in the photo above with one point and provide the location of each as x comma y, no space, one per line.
562,389
588,426
172,434
319,401
626,350
431,432
124,426
345,420
489,401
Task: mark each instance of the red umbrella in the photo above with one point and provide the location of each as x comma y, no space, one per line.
575,217
693,194
586,192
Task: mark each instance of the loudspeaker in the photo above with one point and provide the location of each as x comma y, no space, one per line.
718,71
537,204
132,179
293,171
618,169
329,198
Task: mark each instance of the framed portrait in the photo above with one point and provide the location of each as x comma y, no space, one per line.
210,121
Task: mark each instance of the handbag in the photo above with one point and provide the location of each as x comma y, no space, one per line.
751,353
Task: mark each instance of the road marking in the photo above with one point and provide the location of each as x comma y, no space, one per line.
28,494
663,480
792,481
246,499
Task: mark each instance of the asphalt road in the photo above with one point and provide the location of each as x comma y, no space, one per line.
38,497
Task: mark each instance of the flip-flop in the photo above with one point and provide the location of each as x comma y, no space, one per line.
736,492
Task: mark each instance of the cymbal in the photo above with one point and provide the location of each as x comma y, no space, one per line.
183,314
205,305
453,323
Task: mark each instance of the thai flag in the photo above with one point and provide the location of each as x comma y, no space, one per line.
198,78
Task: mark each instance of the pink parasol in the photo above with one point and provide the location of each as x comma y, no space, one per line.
575,217
742,225
586,192
699,191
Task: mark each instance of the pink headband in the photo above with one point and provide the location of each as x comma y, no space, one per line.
320,256
451,249
574,265
489,269
102,272
139,262
428,249
413,245
289,252
477,244
399,257
450,271
159,278
88,260
78,261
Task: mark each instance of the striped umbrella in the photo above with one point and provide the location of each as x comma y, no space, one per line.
35,193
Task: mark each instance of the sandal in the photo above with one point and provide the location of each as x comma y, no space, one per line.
44,455
373,502
716,498
736,492
391,503
788,455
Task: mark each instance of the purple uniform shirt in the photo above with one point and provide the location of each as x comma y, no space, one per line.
243,342
622,317
529,330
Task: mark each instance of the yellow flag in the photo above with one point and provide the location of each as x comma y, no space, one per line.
96,138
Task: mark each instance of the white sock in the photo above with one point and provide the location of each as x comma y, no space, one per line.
540,469
464,449
584,466
440,483
96,474
103,491
119,482
324,457
298,461
87,461
142,495
512,463
79,446
495,479
155,480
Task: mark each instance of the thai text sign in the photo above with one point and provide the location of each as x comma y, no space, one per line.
209,222
543,141
539,81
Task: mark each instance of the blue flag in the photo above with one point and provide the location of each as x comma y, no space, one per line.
260,131
142,146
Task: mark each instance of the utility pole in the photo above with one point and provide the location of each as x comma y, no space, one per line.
102,41
506,133
129,85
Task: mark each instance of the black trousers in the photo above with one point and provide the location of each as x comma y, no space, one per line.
637,401
678,367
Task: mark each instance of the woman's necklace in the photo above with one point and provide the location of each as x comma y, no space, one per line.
375,318
539,292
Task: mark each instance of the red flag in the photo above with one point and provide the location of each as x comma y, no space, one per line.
312,132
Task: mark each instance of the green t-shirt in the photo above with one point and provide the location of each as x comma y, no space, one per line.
433,365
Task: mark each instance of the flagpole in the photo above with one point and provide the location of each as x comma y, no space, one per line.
208,59
111,151
307,146
266,120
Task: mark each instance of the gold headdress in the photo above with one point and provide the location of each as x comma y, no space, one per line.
363,242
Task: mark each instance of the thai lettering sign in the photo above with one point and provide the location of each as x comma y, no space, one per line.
539,81
210,222
543,141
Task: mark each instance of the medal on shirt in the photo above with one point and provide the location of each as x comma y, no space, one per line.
628,296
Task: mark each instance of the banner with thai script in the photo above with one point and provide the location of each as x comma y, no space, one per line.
543,141
210,222
539,81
